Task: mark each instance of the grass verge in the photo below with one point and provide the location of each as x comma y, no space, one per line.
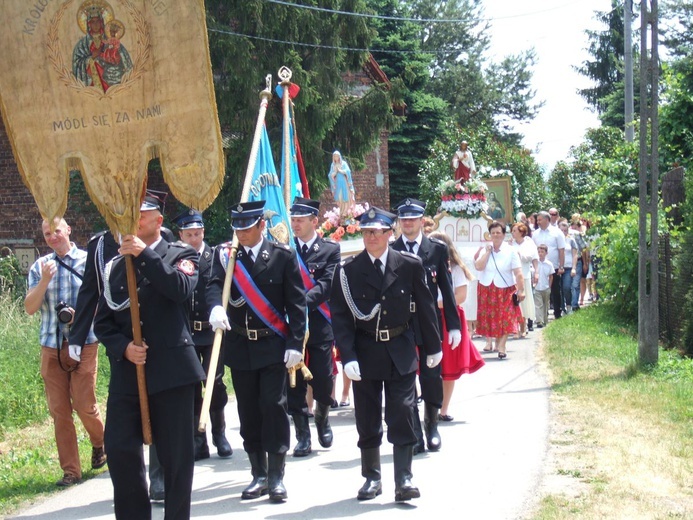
622,435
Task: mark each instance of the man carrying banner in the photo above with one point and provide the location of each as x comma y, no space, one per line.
267,320
375,297
166,277
317,258
191,229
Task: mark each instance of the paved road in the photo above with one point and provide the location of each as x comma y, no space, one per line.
490,465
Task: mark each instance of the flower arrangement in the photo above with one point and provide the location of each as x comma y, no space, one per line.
465,200
342,228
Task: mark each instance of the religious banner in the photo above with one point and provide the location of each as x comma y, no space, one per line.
103,87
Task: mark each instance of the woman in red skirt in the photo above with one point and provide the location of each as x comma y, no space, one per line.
500,269
465,359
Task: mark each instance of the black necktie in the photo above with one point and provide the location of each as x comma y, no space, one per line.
378,267
250,256
304,249
411,245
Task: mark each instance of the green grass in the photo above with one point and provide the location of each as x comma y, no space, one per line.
625,444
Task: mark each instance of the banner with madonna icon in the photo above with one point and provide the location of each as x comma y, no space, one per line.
103,87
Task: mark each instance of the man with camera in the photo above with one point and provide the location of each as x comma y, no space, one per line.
53,284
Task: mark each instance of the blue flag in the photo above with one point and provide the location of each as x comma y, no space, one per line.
266,186
295,178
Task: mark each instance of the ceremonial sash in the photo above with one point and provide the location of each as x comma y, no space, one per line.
309,283
257,301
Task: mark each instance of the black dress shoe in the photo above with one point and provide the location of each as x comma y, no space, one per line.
419,447
257,488
406,491
370,490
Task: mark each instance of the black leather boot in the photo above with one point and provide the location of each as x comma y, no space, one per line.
431,425
258,468
303,447
277,491
200,438
322,424
370,469
404,489
419,447
219,434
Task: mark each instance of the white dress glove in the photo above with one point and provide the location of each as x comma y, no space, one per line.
292,358
218,318
353,370
455,338
434,360
75,352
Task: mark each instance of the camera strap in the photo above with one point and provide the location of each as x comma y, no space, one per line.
78,275
59,346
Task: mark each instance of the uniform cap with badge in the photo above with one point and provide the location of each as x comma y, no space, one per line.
410,208
245,215
190,219
376,218
304,207
153,200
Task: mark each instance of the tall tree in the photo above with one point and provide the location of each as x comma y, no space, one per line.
253,38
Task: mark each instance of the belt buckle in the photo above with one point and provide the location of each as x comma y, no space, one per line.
197,326
384,335
252,334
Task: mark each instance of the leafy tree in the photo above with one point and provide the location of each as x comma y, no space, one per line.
602,172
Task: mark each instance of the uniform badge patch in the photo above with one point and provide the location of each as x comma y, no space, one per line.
186,267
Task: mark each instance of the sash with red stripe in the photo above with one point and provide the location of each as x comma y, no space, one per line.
309,283
257,301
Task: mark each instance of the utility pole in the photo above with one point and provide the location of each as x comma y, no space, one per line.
648,281
628,56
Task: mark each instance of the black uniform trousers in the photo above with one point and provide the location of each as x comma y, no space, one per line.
557,294
262,408
431,379
219,395
321,366
171,419
400,395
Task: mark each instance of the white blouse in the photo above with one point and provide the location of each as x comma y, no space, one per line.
500,266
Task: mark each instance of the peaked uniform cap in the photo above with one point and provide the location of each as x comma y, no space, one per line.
411,208
190,219
245,215
376,218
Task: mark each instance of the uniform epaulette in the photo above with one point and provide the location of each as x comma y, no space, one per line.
225,244
98,235
347,260
179,243
280,245
437,241
330,240
410,254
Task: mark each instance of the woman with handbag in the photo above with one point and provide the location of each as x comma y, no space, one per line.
499,269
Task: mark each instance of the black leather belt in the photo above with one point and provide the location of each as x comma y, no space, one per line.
200,325
252,334
385,334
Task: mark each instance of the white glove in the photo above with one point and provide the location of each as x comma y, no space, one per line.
455,338
353,370
218,318
292,358
75,352
434,360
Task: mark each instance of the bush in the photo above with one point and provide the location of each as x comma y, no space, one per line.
12,280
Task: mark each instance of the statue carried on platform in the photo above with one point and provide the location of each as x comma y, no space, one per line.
341,184
463,163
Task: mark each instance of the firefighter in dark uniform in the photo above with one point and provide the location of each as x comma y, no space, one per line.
435,258
376,296
318,258
191,230
266,324
166,276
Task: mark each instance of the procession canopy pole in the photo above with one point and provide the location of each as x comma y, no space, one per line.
137,340
265,96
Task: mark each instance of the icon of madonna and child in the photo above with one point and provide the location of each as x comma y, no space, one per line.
99,59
